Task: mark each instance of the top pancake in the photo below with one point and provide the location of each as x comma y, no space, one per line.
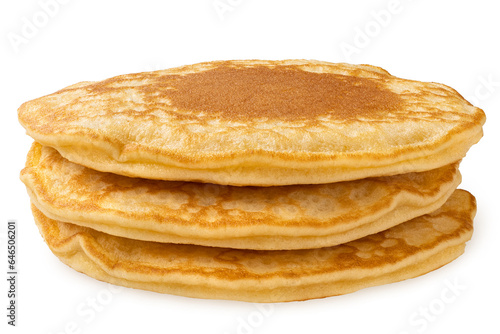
255,122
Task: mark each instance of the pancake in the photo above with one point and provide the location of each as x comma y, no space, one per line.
257,123
404,251
281,217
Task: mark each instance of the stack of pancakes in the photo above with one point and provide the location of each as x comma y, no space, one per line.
252,180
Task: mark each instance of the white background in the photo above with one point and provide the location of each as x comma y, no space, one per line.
452,42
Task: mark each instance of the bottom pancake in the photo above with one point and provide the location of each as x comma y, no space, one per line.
404,251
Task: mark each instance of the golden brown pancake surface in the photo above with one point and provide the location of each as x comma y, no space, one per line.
256,122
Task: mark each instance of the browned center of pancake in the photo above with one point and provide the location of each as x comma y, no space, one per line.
282,92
